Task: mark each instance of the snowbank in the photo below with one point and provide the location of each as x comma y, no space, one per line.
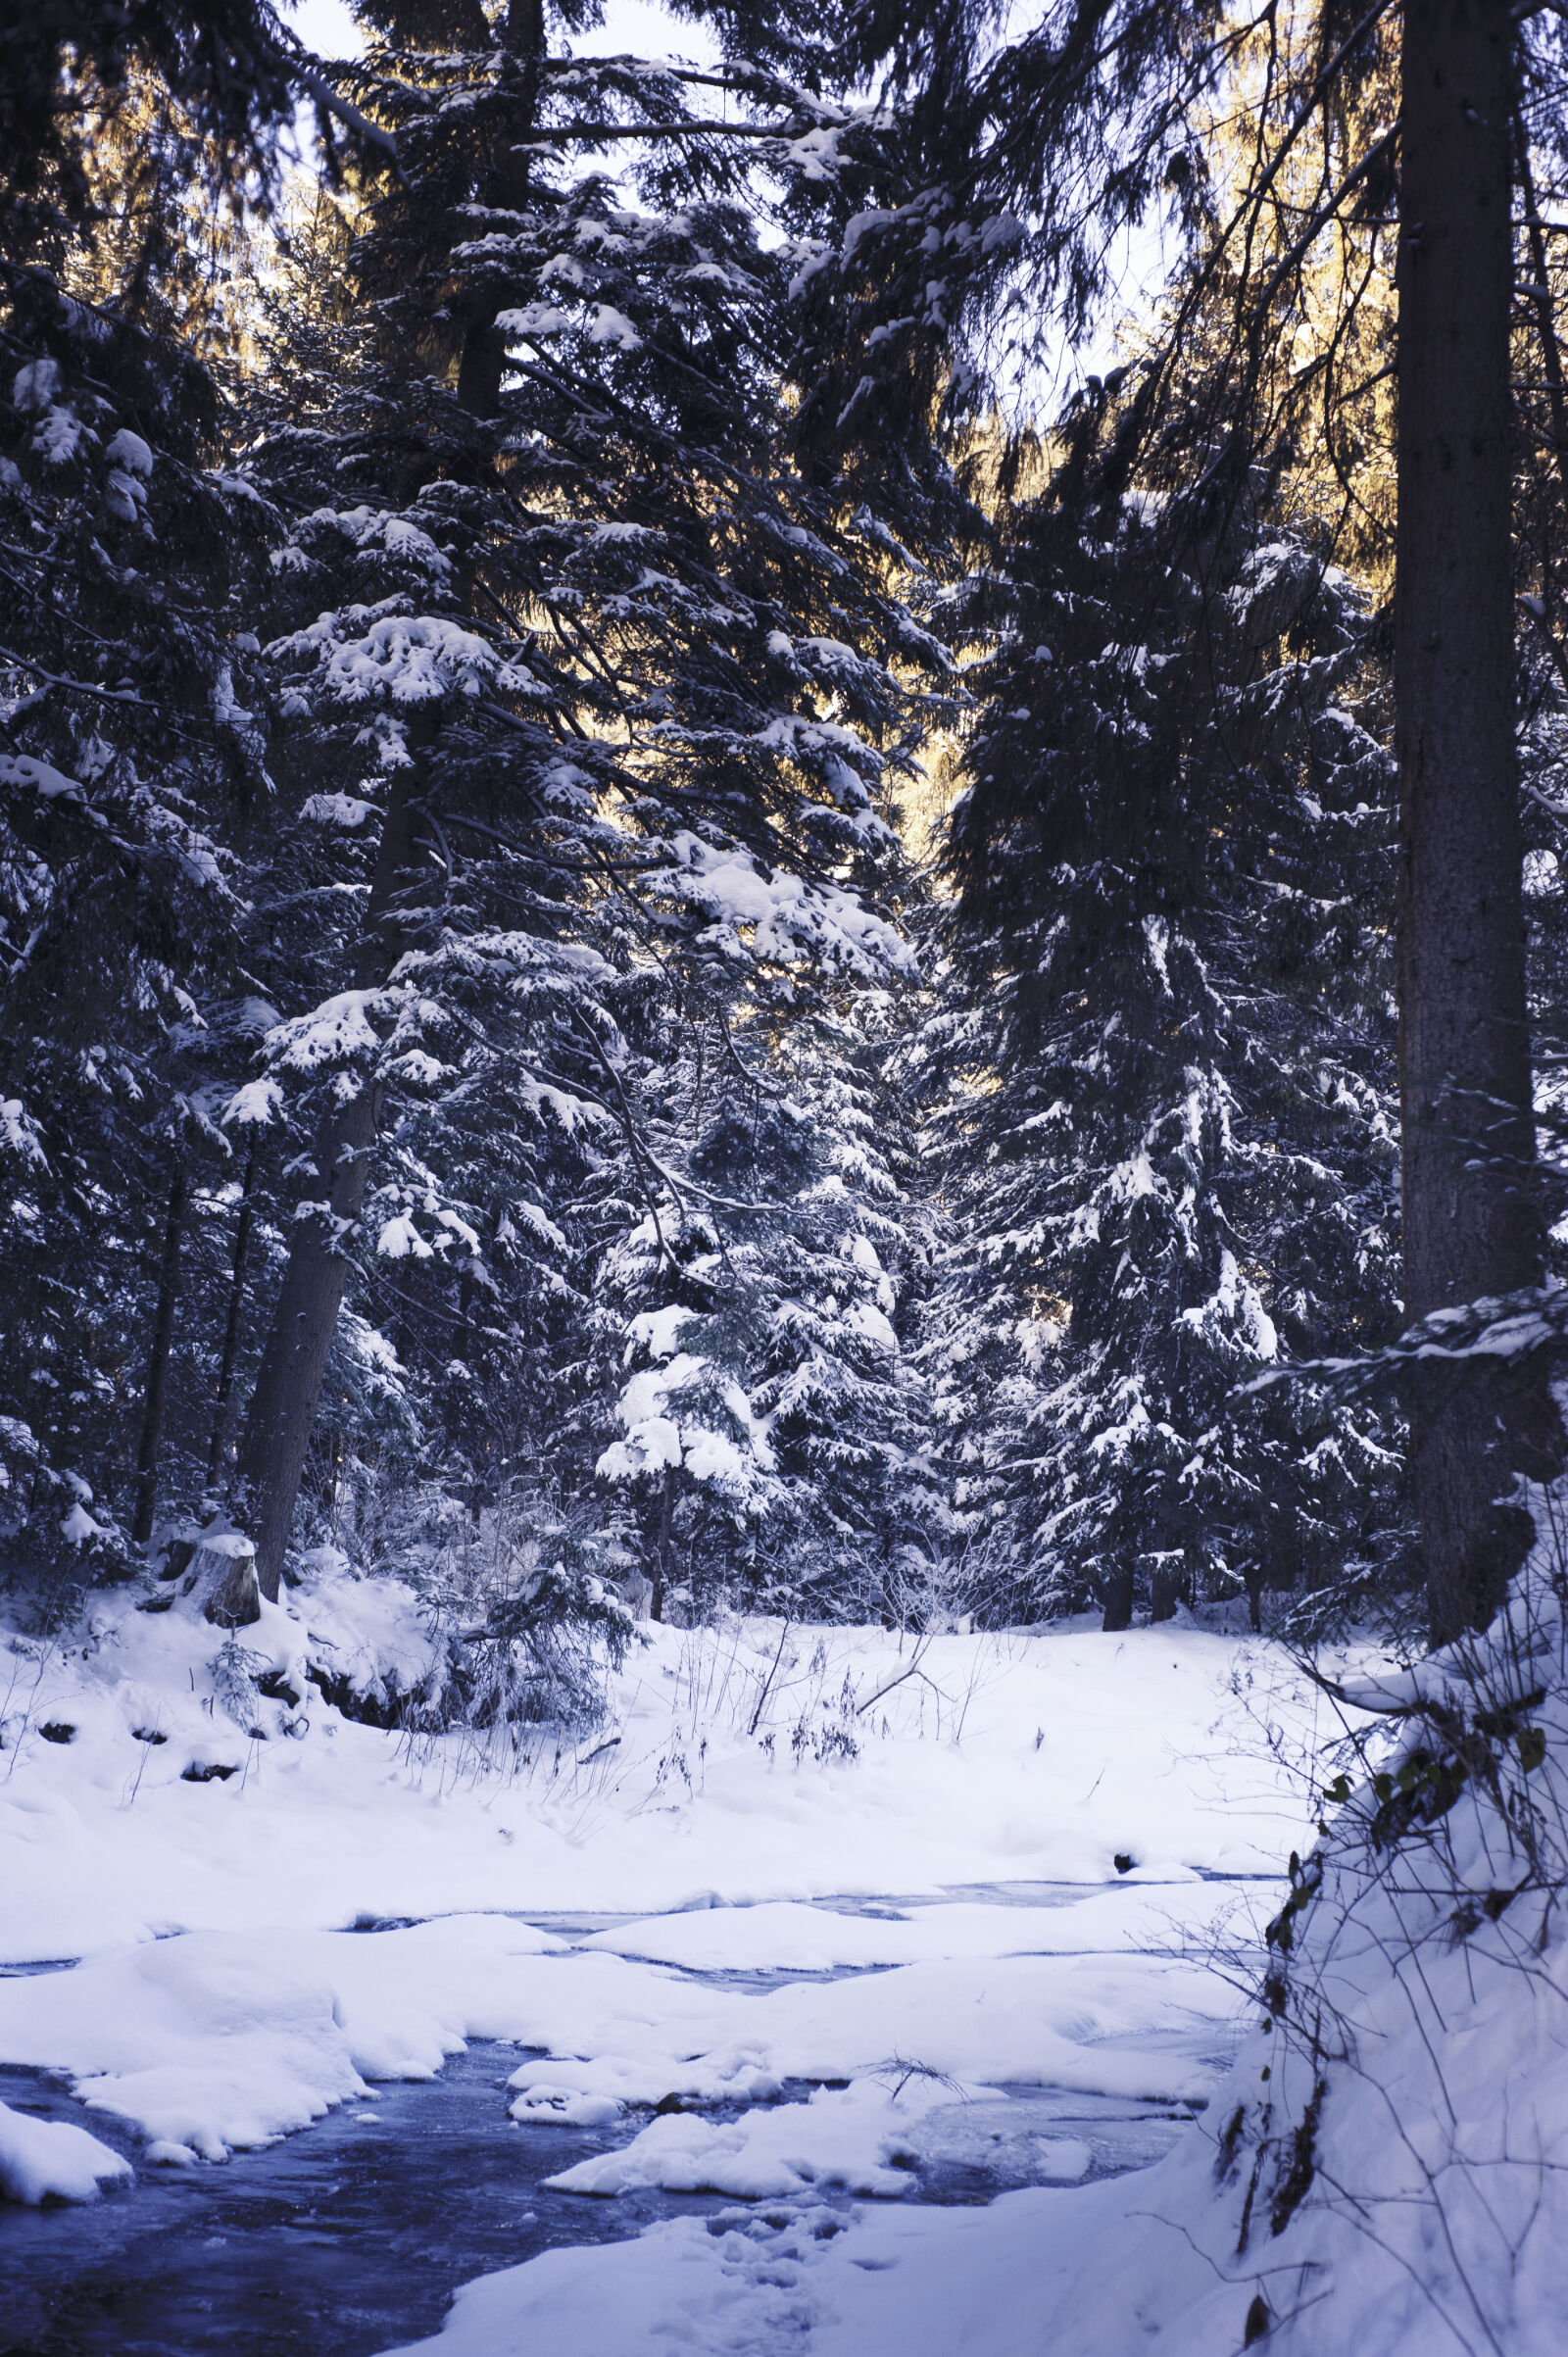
173,1806
1064,1798
914,2280
1385,2167
214,2042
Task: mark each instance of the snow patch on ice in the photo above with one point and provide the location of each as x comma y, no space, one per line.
52,2160
848,2137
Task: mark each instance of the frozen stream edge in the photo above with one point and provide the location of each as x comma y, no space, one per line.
351,2237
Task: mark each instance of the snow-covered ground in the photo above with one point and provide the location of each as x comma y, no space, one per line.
1048,1856
1034,1757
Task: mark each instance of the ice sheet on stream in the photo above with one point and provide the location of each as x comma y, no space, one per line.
882,2136
780,1934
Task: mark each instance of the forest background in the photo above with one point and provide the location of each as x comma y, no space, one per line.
663,941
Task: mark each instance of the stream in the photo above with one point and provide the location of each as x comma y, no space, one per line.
351,2236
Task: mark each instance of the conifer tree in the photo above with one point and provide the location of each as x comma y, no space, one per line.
759,1404
137,144
1087,119
587,678
130,747
1177,1168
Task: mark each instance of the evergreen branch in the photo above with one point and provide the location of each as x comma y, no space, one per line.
598,132
321,90
80,687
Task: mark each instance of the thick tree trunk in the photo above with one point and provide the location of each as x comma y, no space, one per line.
1118,1584
288,1386
1471,1222
157,1390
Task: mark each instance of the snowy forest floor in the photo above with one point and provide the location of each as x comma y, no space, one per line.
907,1936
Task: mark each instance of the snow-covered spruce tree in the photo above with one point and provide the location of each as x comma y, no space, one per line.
579,673
136,149
128,753
758,1406
1166,1144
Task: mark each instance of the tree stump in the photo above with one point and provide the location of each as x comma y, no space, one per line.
223,1579
178,1560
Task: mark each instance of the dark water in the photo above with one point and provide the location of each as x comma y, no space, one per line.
344,2239
350,2238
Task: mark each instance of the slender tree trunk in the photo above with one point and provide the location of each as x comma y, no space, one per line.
1470,1219
522,40
231,1325
666,1525
288,1386
1546,315
157,1390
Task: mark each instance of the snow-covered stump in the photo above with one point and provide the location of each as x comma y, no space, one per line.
223,1579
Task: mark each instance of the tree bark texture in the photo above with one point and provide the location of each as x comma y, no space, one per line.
223,1578
1471,1223
481,364
1118,1585
158,1356
231,1324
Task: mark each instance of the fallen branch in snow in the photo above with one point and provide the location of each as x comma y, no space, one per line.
897,2071
914,1671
